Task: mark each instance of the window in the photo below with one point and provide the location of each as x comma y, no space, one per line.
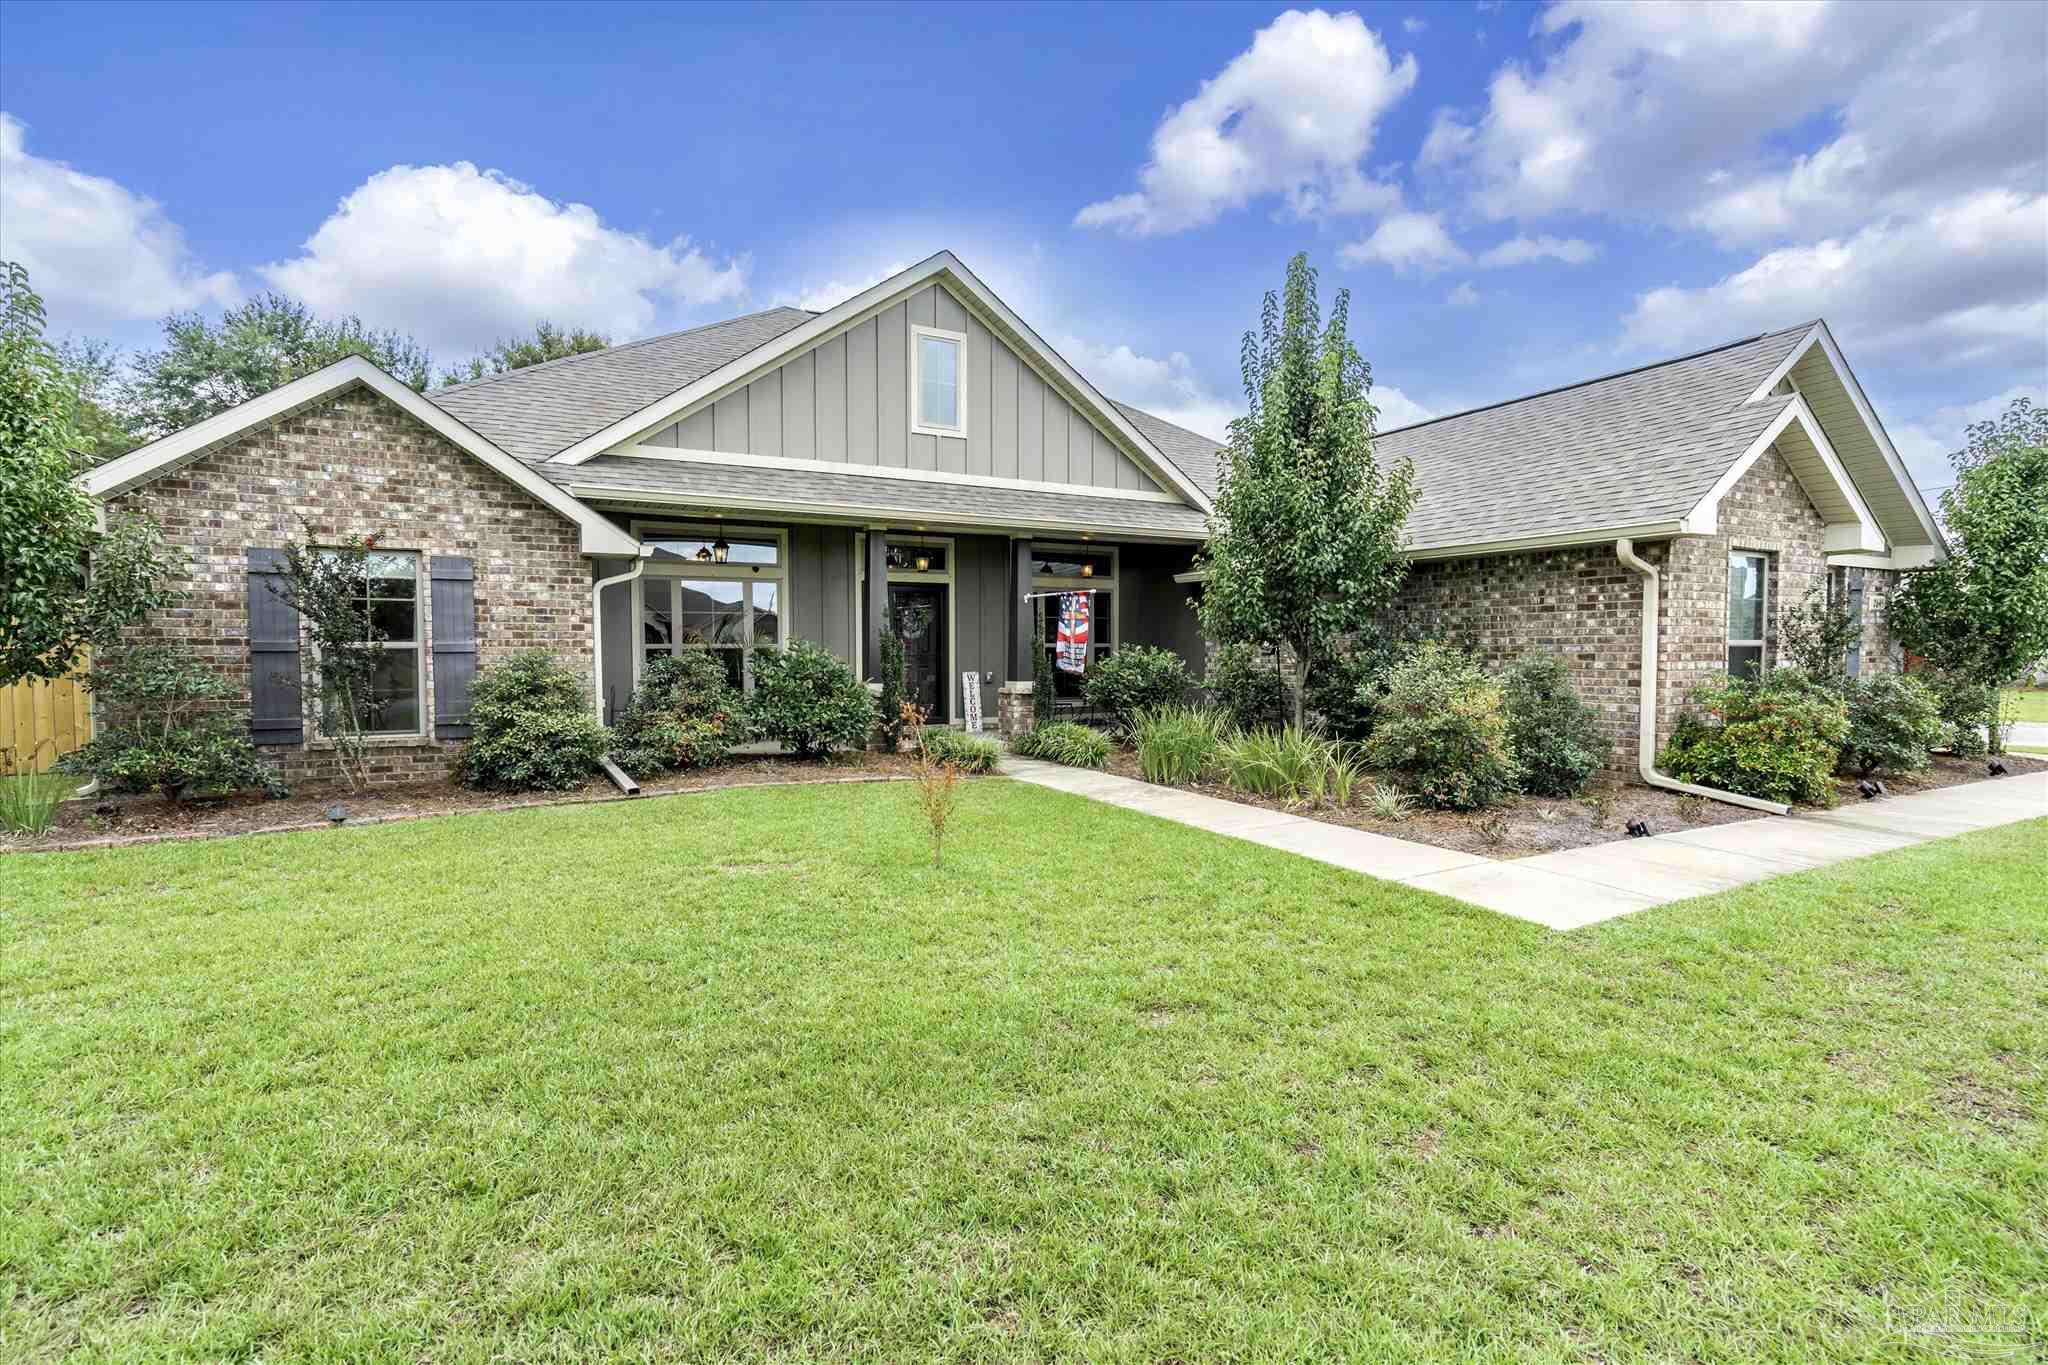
389,596
705,589
1748,586
1057,570
938,382
918,557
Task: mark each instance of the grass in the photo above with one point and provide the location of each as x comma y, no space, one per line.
739,1075
2026,703
29,801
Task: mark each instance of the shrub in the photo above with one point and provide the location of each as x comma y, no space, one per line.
1968,710
1893,721
1176,743
1077,746
161,728
1817,635
1555,738
531,727
1776,737
684,714
1246,687
938,793
807,699
1444,728
1135,677
1288,765
968,753
1043,689
1346,692
889,717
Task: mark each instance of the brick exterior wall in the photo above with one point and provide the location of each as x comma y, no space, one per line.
356,464
1585,605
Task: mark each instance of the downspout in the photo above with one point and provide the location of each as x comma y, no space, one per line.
1646,710
597,625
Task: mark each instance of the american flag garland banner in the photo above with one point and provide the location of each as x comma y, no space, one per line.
1071,650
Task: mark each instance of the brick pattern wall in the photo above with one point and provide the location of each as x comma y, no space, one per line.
353,465
1583,604
1768,512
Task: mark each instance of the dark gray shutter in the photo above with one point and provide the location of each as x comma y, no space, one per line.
275,715
454,587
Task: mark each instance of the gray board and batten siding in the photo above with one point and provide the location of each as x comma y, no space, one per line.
847,400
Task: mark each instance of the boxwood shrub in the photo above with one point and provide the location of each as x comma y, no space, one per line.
806,698
531,727
684,714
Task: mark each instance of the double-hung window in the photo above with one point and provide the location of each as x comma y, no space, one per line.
938,382
1748,591
705,591
388,597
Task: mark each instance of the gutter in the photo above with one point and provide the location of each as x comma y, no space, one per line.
1646,710
597,626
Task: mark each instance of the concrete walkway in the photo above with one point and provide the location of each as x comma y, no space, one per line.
1580,886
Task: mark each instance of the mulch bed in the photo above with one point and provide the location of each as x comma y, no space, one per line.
1527,825
112,821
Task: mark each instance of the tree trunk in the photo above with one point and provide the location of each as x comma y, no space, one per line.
1300,685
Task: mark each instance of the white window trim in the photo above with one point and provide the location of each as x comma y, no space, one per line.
1763,614
918,426
1112,585
422,685
666,573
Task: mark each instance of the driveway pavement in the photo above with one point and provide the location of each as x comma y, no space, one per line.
1580,886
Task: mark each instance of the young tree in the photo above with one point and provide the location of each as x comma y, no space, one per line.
548,342
1982,614
209,367
52,606
1818,634
1306,541
326,587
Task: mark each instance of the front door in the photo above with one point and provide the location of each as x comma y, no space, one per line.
917,613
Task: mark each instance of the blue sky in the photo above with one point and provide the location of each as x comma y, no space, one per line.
1516,195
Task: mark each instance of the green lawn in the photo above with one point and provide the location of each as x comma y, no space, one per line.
2026,703
740,1075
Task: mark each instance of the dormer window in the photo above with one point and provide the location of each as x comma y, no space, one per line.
938,382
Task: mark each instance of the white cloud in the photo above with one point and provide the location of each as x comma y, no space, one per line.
1924,443
1967,283
1464,296
1524,250
1411,24
95,250
1408,242
459,257
1397,409
819,297
1168,388
1291,116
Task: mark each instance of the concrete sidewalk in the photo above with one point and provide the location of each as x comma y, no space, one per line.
1580,886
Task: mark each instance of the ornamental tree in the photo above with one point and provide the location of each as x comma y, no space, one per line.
1305,545
1982,614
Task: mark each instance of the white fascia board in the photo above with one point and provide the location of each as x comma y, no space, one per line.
852,514
1901,557
1560,540
1825,339
1862,534
970,291
599,535
867,471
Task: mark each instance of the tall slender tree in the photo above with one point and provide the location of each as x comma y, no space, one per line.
1306,543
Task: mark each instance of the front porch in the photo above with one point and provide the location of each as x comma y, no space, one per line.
966,603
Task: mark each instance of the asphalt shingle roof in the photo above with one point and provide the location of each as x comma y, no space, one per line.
1640,446
858,492
534,412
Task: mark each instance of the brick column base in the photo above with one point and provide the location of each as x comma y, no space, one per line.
1013,709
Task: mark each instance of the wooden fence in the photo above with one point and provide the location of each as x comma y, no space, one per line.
40,720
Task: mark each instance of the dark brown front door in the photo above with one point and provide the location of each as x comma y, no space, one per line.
917,614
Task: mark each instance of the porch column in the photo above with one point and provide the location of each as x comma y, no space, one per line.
875,603
1021,618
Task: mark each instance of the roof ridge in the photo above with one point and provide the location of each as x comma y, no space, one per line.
482,380
1603,378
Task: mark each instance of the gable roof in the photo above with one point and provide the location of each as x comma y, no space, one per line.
600,535
534,412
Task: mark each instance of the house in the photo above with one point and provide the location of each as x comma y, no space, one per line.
918,459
